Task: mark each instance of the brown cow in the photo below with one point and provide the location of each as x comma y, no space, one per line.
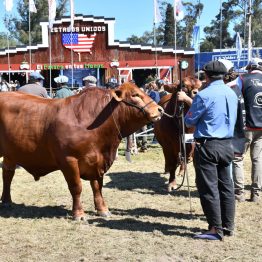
168,130
78,135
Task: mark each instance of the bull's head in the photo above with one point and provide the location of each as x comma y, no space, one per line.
133,96
190,85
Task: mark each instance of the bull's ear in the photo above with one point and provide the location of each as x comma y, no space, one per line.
117,94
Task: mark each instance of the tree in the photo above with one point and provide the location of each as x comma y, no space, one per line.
214,34
256,22
19,26
234,12
165,32
169,29
3,41
146,38
192,12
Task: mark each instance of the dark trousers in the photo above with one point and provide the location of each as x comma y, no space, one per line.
212,160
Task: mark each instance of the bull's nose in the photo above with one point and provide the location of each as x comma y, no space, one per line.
158,114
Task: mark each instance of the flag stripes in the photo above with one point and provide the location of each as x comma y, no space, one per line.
80,42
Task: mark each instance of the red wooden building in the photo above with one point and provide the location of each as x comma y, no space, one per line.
90,49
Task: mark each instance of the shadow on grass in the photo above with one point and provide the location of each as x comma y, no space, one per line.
23,211
134,225
139,212
140,182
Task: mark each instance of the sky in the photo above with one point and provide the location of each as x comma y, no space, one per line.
133,17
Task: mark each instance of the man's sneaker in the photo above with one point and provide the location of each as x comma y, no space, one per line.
254,197
240,197
208,236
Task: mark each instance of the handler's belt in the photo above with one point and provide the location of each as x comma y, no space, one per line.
203,140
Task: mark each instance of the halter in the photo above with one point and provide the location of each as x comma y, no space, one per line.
141,108
138,107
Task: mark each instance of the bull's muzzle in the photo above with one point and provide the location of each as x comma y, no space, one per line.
157,116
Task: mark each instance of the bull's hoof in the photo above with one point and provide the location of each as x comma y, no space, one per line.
172,186
104,213
79,215
80,218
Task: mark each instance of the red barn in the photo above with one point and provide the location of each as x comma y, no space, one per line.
94,52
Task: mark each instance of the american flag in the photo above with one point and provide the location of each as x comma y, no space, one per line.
80,42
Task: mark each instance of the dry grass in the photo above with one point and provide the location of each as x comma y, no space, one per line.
148,224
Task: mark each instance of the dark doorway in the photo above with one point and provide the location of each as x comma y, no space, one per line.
141,75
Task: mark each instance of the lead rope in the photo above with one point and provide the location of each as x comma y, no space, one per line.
121,137
185,162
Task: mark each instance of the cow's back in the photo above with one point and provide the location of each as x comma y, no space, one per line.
24,123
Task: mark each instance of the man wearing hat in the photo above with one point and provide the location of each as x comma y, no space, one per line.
250,85
35,86
213,113
90,81
63,89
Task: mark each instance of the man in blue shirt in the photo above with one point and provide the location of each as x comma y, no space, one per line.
213,113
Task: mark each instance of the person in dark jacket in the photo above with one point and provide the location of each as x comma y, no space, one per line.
250,85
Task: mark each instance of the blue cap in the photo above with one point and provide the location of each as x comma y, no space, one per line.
36,76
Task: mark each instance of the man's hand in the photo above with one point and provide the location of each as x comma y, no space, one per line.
183,97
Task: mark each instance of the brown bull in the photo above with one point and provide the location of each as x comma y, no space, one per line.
168,131
78,135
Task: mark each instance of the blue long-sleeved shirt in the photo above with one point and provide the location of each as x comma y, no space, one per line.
213,111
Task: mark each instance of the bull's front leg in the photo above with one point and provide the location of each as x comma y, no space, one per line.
172,185
8,171
100,205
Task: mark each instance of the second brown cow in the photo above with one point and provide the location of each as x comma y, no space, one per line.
168,130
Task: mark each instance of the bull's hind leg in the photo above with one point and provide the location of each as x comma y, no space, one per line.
72,177
8,171
100,205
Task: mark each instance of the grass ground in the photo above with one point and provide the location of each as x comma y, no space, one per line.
148,224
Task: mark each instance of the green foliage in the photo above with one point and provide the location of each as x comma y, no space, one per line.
256,22
3,41
234,12
185,28
146,38
19,26
169,29
165,32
